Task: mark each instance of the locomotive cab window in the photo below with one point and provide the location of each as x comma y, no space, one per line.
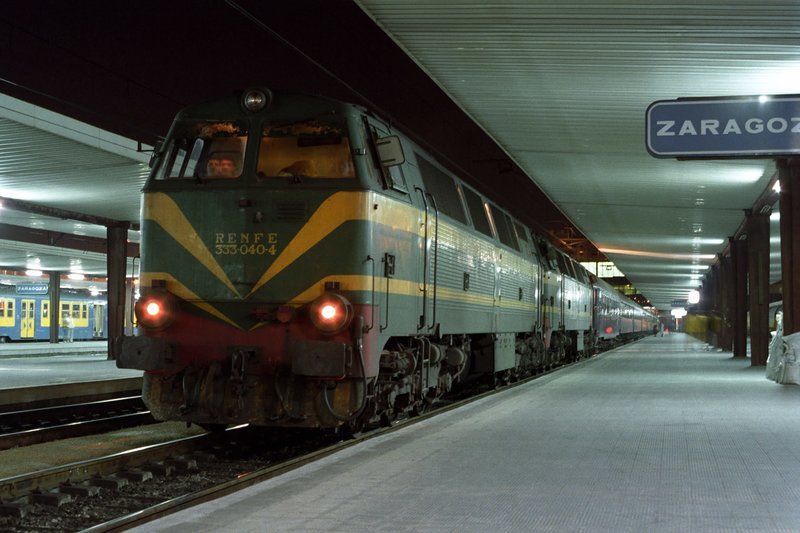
203,150
306,149
391,174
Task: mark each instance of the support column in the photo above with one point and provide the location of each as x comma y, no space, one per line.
117,238
739,264
55,305
715,305
726,306
789,176
758,283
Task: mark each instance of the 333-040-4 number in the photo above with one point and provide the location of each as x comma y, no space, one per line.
245,249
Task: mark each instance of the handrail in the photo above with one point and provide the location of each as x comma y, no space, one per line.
423,320
435,258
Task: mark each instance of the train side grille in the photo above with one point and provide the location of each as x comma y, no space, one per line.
290,211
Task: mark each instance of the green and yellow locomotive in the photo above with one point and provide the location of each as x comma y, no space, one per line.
303,265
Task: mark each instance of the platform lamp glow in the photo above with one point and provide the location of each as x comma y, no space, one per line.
694,297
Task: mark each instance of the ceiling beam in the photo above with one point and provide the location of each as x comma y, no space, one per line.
61,240
29,207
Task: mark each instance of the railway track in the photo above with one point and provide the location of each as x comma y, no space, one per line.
42,424
123,490
32,415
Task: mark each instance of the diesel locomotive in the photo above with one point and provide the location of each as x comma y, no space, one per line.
305,265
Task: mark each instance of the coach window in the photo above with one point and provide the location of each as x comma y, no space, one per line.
476,212
580,273
309,149
203,150
442,188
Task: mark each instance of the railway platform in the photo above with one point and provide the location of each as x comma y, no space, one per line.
660,435
39,370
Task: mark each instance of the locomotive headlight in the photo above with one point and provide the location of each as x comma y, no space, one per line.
155,309
330,313
255,100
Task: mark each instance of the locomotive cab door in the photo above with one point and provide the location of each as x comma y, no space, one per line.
27,325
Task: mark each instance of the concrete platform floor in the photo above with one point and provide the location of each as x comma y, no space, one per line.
42,364
660,435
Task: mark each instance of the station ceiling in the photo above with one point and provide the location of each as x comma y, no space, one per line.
541,105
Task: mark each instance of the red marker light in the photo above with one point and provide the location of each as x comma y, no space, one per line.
152,309
155,309
330,313
609,329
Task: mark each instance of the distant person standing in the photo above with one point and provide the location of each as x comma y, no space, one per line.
660,329
69,327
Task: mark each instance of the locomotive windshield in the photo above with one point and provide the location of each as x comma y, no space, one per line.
204,150
306,149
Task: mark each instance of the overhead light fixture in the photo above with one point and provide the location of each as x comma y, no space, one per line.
75,276
34,273
678,313
763,99
694,297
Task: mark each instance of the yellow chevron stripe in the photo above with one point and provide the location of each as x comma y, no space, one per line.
182,291
332,213
163,210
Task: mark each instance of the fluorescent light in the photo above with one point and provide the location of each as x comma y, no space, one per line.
75,276
34,273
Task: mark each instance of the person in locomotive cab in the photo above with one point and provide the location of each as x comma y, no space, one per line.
221,166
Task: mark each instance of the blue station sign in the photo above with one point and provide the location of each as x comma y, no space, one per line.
724,128
33,288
